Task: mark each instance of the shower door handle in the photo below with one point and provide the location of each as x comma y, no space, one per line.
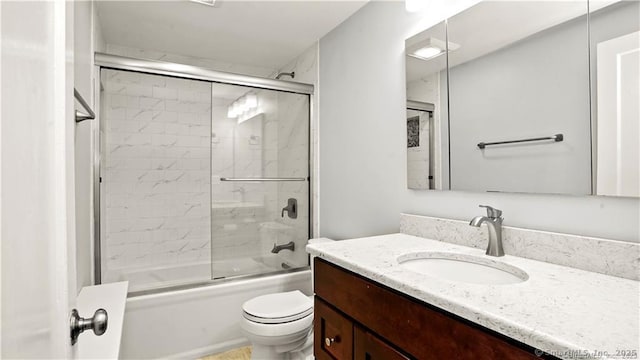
291,209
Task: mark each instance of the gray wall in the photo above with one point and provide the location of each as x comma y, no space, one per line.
363,144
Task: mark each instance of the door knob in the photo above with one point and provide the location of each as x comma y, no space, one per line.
97,323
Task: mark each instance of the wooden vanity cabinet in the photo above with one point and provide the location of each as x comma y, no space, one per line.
357,318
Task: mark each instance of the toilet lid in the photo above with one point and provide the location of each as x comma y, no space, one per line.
278,308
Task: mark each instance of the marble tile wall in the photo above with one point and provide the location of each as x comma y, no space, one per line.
610,257
306,68
245,217
155,170
293,161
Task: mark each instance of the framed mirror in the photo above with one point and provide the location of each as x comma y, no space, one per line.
529,99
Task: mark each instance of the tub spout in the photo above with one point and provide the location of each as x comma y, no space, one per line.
289,246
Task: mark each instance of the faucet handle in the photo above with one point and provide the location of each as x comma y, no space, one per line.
492,212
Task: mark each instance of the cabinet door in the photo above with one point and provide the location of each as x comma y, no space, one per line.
333,333
369,347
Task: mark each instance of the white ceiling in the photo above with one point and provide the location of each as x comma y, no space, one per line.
263,33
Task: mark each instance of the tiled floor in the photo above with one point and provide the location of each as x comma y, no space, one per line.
243,353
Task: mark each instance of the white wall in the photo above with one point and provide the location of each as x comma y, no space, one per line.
363,142
83,82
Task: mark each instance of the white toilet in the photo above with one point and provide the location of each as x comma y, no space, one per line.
280,325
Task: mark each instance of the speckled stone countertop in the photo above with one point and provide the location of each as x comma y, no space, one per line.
567,312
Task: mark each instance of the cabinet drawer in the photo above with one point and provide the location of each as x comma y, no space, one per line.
420,330
369,347
333,333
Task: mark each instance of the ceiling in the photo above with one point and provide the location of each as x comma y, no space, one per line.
267,34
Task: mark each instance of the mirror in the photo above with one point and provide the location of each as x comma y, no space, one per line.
532,106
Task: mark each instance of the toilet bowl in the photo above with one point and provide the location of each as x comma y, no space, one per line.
280,326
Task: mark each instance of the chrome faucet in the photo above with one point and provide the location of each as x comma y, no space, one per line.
289,246
494,225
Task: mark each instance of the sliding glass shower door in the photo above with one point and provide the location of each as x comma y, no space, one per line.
259,180
200,180
155,139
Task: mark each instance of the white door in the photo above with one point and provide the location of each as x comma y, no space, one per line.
618,150
37,218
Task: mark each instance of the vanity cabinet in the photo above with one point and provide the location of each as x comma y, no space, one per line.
357,318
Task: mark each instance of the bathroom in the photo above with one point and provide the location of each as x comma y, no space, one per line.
350,136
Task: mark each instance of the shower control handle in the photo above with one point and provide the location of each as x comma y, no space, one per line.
291,209
97,323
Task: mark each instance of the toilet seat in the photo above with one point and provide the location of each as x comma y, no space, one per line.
278,308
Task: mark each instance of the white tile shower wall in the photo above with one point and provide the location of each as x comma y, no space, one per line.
155,170
295,152
293,161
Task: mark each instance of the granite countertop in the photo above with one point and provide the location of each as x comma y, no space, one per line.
567,312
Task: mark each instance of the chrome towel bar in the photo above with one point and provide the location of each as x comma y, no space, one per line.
80,116
262,179
556,138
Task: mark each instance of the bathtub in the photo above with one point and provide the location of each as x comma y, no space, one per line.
144,279
191,323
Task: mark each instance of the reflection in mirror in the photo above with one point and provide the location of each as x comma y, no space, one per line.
523,102
615,59
427,129
521,73
420,164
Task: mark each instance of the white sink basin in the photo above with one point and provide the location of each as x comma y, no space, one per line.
463,268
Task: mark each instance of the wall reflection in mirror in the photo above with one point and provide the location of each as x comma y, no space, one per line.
535,97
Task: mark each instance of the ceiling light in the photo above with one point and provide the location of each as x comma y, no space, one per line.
415,5
428,52
430,48
205,2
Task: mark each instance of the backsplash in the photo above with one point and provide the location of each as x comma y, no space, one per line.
609,257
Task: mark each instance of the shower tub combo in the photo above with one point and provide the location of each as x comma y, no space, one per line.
202,199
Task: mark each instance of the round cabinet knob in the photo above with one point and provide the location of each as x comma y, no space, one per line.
328,341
